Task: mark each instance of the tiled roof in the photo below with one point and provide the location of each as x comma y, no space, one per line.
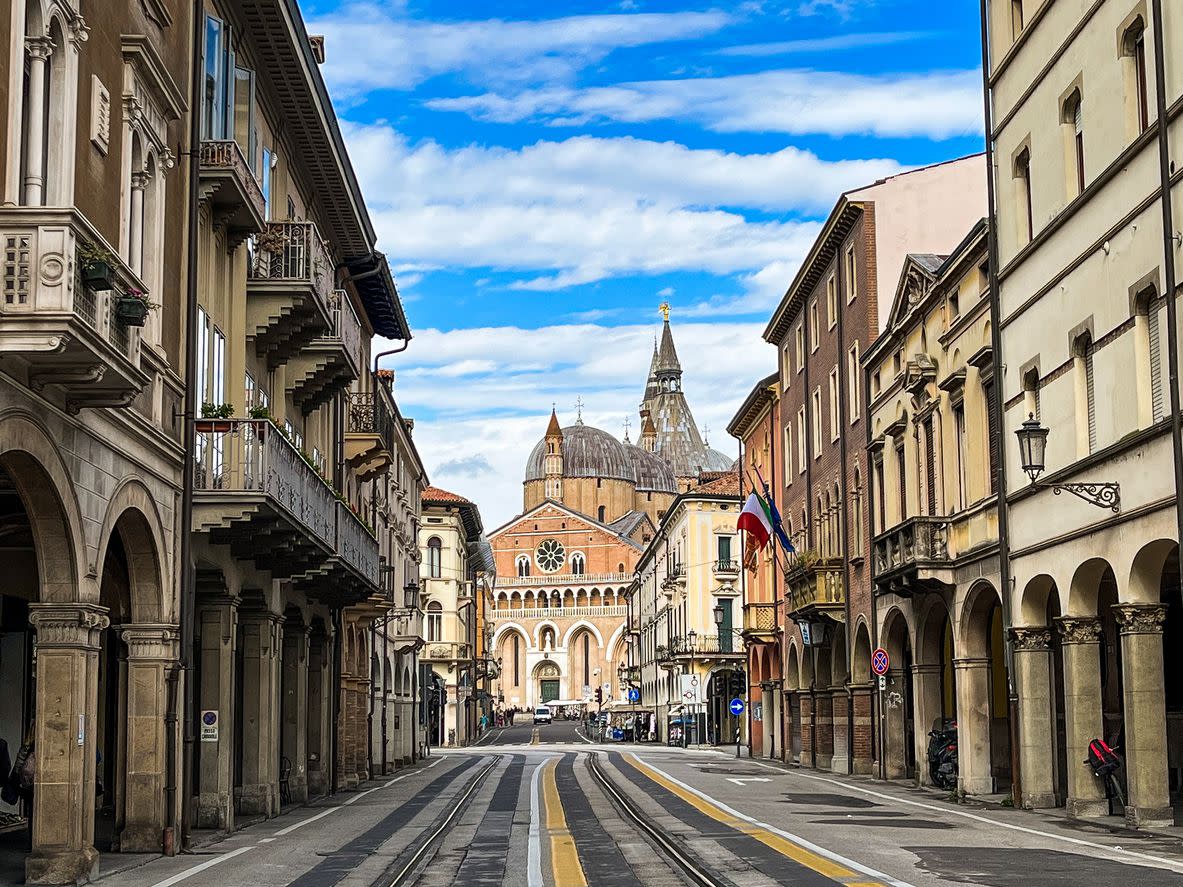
727,485
435,494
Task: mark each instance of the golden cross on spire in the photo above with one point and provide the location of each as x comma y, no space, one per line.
664,309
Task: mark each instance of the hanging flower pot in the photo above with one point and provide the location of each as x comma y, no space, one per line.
98,275
132,310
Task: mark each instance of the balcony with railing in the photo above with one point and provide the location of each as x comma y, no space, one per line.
567,579
913,555
369,432
406,631
446,651
759,622
725,643
289,289
330,363
63,325
233,192
816,587
726,568
255,493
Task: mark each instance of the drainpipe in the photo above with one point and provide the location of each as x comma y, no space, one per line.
843,413
873,491
1004,574
335,699
370,712
188,574
1168,259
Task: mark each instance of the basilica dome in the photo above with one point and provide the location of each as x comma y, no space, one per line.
587,452
653,474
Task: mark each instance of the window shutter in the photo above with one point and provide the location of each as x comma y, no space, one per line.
1092,400
931,472
991,429
1155,361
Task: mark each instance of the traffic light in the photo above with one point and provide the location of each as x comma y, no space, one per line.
599,695
736,685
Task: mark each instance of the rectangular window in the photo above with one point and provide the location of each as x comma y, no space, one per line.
854,383
213,116
901,470
1016,18
832,302
724,549
265,181
851,275
786,371
813,326
930,471
218,367
817,422
250,393
835,418
245,131
800,347
802,445
991,426
203,345
787,459
880,496
959,431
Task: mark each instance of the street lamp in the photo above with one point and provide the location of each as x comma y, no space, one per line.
1032,450
691,642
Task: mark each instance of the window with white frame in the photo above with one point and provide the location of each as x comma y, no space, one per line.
786,370
813,326
802,447
851,275
817,422
787,458
854,383
835,420
800,337
435,551
832,302
435,621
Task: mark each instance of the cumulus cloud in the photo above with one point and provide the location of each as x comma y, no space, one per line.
935,105
586,209
372,47
507,409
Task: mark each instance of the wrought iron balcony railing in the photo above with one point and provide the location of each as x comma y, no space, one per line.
230,186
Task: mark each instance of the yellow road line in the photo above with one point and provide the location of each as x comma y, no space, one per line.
785,847
564,858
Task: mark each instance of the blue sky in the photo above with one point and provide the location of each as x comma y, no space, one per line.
543,175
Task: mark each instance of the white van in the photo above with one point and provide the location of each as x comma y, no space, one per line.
542,715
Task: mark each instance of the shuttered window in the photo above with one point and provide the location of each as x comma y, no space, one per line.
991,431
1155,361
902,474
1090,393
931,467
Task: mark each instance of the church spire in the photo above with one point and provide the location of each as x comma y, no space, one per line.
668,366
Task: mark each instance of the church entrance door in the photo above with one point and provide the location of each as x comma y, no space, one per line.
550,691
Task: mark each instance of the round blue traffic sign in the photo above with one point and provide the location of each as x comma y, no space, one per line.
634,695
737,706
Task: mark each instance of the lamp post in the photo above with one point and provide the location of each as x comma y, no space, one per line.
717,614
691,640
1032,449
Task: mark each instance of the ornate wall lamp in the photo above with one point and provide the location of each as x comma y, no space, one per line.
1032,447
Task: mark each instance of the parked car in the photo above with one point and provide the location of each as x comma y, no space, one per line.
542,715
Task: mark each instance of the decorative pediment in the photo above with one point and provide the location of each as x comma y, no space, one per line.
920,372
916,282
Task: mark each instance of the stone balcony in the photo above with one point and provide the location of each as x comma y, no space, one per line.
330,363
760,623
256,493
913,555
289,290
726,569
229,186
407,631
707,646
445,651
369,432
816,588
57,333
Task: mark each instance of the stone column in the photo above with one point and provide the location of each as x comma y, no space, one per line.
895,727
840,731
1037,727
38,49
320,675
152,651
973,725
864,740
1147,777
260,712
135,249
807,749
295,709
67,650
1080,639
217,625
926,710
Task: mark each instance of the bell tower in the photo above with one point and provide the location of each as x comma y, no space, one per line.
553,461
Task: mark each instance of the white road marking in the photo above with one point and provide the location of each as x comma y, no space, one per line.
1173,864
188,873
534,845
265,840
808,845
740,780
345,803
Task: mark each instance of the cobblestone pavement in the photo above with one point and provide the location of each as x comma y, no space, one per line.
546,808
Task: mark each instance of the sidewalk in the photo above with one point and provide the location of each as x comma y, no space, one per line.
909,792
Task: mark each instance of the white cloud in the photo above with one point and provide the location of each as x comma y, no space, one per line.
824,44
501,415
935,105
586,209
370,47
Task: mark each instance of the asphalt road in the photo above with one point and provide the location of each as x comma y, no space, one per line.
545,808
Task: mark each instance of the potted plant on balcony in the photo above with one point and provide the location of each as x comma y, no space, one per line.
133,306
216,411
259,412
96,266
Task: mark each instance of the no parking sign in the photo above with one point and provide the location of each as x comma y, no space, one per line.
880,662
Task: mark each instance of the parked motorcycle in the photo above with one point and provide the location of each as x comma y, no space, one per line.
942,755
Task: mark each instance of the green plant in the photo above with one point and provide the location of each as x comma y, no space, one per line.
217,410
1008,801
90,255
260,412
141,296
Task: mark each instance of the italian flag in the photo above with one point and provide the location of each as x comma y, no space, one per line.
755,520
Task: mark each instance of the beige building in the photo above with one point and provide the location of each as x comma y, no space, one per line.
686,605
92,312
934,518
1085,286
453,553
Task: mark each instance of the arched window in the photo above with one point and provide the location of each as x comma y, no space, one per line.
434,557
517,661
46,146
435,621
577,564
523,565
586,659
1024,195
1134,48
602,513
1073,121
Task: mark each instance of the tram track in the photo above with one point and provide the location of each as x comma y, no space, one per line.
408,870
683,861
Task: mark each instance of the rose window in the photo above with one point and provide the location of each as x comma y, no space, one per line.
550,555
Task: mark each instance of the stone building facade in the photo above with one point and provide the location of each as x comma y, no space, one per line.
91,454
1087,275
934,519
832,313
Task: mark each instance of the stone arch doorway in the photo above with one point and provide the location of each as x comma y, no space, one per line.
547,679
983,721
897,719
934,679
